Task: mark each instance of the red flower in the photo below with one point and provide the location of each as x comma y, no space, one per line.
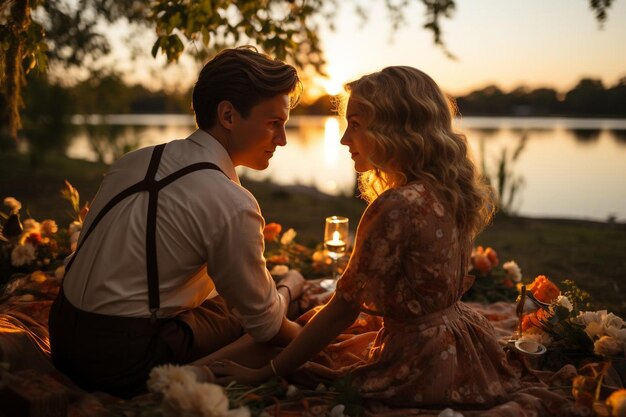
34,239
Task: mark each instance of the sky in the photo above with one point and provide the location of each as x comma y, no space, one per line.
509,43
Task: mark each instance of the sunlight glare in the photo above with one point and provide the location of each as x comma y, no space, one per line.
332,86
331,140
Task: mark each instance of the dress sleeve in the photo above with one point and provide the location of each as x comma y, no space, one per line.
237,267
378,250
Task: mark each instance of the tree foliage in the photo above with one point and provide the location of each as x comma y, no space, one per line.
69,32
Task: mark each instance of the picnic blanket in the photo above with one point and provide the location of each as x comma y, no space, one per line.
25,360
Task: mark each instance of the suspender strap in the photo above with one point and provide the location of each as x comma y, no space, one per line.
153,187
152,266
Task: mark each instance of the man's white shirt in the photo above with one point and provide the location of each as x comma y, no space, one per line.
209,228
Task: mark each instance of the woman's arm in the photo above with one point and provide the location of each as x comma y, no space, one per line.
335,317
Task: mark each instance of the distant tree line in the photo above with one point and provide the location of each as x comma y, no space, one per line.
109,94
589,98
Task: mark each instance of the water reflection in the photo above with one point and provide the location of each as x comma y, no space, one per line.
586,135
620,136
331,140
571,167
110,142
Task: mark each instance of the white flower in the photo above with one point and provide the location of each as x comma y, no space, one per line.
288,237
31,226
292,391
594,329
161,377
176,398
337,411
12,204
23,254
209,400
448,412
183,394
587,317
279,270
619,334
608,346
239,412
513,271
611,320
563,301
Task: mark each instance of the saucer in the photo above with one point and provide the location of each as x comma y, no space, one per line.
530,347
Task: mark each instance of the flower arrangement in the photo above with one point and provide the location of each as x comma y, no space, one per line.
282,253
185,393
562,322
29,245
553,317
491,283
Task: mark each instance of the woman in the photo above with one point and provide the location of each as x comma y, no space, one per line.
426,205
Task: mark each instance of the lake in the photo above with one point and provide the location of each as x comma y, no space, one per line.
568,168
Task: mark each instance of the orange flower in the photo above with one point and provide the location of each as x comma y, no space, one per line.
271,231
544,290
481,259
617,403
278,259
492,256
534,319
34,239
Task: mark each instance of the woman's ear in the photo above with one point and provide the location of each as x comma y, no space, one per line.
226,114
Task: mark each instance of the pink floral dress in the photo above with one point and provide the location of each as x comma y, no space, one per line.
419,346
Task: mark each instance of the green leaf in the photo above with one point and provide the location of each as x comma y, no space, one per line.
156,46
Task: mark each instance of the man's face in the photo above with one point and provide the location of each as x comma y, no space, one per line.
255,138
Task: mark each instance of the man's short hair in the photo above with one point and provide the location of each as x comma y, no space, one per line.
244,77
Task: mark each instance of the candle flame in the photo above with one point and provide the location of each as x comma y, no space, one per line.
336,235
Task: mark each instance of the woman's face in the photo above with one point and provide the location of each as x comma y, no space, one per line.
355,137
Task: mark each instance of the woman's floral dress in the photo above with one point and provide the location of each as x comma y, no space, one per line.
428,349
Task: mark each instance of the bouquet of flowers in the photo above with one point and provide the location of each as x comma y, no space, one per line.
565,323
491,283
29,245
282,253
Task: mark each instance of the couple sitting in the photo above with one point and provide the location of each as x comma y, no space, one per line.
170,269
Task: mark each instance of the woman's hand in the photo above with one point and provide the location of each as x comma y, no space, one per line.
226,371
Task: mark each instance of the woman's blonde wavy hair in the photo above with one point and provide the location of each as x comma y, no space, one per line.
411,131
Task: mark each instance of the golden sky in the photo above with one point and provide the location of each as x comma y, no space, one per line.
509,43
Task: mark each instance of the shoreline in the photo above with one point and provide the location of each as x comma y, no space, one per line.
589,252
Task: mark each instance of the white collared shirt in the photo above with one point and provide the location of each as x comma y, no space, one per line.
209,228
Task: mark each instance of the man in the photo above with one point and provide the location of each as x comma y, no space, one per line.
167,223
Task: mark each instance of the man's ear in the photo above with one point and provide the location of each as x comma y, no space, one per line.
226,114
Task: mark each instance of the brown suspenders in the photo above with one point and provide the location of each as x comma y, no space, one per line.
153,187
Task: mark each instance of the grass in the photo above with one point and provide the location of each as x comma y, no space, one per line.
591,254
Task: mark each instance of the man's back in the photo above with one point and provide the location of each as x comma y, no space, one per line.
109,274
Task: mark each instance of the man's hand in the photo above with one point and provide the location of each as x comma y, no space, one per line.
295,282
